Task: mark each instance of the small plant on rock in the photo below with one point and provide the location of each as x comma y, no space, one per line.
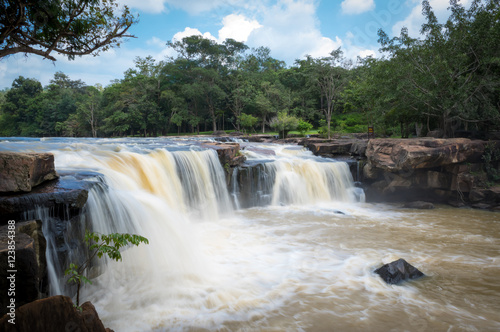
100,245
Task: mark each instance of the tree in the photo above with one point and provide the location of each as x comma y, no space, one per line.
100,245
283,123
451,75
303,127
68,27
247,121
330,74
90,108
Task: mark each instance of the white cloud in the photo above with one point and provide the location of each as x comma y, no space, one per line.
413,22
237,27
365,53
290,30
357,6
192,32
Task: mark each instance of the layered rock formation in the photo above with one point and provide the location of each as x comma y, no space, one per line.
437,170
20,172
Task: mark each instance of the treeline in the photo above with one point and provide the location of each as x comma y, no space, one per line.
448,81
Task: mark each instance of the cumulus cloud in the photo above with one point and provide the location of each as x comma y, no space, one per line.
291,30
237,27
357,6
192,32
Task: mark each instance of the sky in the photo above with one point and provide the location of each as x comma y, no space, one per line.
291,29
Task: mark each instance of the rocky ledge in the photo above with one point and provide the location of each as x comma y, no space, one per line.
20,172
228,153
66,194
438,170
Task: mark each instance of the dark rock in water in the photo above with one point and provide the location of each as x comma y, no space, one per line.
398,271
419,205
55,313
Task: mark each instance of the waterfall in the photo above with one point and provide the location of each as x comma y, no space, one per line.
293,177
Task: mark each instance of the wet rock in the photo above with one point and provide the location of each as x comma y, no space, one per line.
25,278
419,205
23,171
228,153
398,271
67,194
55,313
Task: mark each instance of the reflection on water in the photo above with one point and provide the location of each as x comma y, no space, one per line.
297,264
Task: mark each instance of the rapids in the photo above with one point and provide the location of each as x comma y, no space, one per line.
299,257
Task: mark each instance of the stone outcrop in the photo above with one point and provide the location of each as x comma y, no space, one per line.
335,147
398,271
66,194
20,172
228,153
420,153
428,169
55,313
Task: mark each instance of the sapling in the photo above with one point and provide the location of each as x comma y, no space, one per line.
100,245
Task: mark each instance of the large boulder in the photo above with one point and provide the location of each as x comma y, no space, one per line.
22,171
398,271
409,154
55,313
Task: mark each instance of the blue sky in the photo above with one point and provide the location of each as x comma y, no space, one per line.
290,28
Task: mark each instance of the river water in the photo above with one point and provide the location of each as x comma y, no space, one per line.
300,260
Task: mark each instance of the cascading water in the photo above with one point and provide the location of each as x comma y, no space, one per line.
286,260
290,177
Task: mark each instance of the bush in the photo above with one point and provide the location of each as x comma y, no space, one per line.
303,127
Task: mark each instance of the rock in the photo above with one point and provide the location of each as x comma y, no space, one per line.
68,193
228,153
25,266
481,206
398,271
410,154
23,171
33,229
419,205
55,313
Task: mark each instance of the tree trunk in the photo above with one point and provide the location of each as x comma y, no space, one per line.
328,122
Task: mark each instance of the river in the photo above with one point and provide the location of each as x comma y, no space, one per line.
302,259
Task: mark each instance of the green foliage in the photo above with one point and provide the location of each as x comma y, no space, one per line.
69,27
303,127
248,121
448,80
283,123
491,158
100,245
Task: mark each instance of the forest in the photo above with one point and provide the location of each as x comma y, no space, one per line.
447,81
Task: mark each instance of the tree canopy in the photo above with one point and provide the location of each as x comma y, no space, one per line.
445,83
68,27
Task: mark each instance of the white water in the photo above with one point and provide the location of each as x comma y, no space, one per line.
294,265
